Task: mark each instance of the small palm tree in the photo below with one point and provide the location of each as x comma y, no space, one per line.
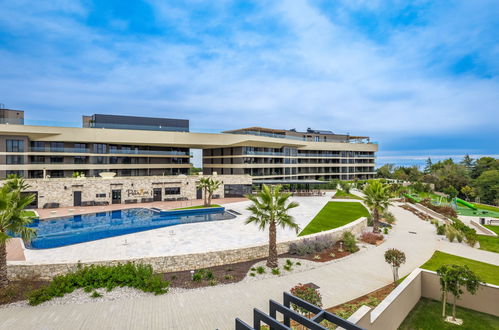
270,208
211,187
377,199
13,220
203,184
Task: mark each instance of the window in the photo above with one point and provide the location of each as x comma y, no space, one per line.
317,138
172,191
57,146
16,173
15,146
80,147
38,146
99,148
80,160
37,159
100,195
56,174
57,160
15,159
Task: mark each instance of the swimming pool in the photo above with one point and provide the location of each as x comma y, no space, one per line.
89,227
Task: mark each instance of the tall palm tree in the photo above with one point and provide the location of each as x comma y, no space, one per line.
270,208
377,199
211,187
13,220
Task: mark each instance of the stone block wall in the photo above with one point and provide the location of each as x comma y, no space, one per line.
17,270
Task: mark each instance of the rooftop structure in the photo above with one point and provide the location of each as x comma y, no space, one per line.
136,123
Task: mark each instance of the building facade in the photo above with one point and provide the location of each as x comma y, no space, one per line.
139,147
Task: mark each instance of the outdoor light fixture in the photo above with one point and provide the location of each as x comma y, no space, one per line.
192,274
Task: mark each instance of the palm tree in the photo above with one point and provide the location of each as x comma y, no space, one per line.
377,199
13,220
270,208
211,187
203,184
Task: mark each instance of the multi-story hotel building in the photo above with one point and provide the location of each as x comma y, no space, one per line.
139,146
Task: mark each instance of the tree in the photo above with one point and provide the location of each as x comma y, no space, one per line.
377,198
452,279
484,164
451,191
270,209
13,221
468,192
203,184
345,186
395,258
211,187
385,171
468,163
428,166
487,186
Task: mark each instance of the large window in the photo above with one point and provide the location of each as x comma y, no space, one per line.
80,159
38,146
57,160
99,148
172,191
16,173
80,147
15,159
237,190
15,146
57,146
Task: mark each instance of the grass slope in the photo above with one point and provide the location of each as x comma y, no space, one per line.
334,215
488,273
489,243
427,314
341,194
495,229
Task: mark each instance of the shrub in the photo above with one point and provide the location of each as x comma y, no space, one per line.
208,275
298,263
308,294
469,233
197,277
389,217
287,267
95,294
450,233
440,229
459,237
260,269
229,277
442,209
370,237
95,276
350,242
252,274
276,271
289,262
385,231
213,282
311,245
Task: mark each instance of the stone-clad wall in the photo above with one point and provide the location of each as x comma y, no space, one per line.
180,262
61,190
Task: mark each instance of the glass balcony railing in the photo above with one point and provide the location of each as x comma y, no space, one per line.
111,151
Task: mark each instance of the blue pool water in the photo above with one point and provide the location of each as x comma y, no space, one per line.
89,227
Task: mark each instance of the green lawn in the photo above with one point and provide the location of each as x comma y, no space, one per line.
487,207
495,229
196,207
427,314
488,273
489,243
334,215
30,214
342,194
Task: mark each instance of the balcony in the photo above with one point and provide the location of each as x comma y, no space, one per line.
110,152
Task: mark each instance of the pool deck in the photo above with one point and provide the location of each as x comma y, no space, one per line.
178,239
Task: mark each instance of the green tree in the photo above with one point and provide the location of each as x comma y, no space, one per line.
211,187
451,191
449,173
203,184
13,221
345,186
395,258
484,164
428,166
487,186
468,163
468,192
453,278
377,199
385,171
270,209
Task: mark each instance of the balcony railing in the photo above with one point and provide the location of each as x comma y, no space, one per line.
111,151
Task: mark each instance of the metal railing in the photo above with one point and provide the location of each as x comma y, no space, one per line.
110,151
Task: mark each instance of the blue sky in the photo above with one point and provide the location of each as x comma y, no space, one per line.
421,77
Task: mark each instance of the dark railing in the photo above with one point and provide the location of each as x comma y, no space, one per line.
289,314
111,151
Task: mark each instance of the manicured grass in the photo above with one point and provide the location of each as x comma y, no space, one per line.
334,215
487,207
488,273
30,214
196,207
495,229
489,243
427,314
342,194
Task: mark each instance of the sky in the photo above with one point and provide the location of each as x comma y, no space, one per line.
421,78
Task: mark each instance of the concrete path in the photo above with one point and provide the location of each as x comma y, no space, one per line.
217,307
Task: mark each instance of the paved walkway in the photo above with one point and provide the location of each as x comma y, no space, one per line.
217,307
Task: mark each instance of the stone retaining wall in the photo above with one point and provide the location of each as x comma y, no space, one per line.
18,270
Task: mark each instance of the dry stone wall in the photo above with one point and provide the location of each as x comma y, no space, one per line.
17,270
